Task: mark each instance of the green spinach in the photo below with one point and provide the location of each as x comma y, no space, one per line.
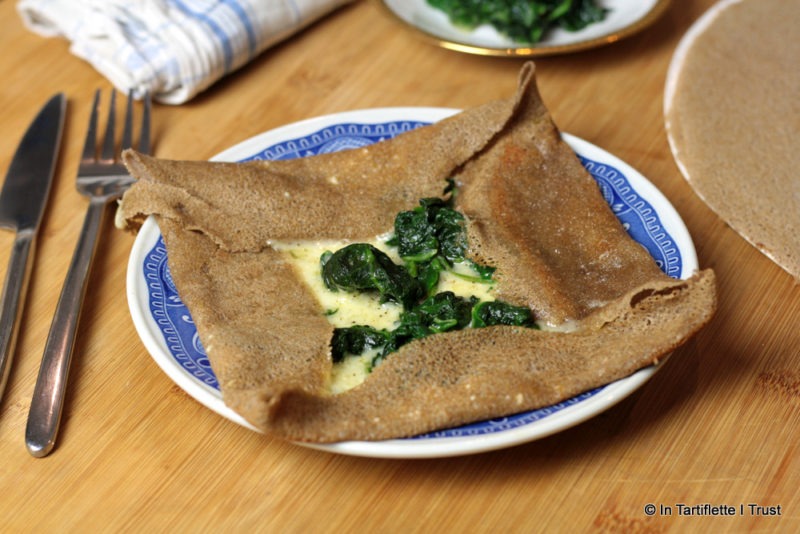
362,267
355,340
439,313
499,312
430,239
524,21
431,228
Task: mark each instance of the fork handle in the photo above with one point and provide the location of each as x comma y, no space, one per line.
13,300
48,394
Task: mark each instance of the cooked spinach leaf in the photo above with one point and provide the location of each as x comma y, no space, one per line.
524,21
499,312
485,272
429,229
362,267
355,340
416,237
428,273
430,238
450,231
581,14
439,313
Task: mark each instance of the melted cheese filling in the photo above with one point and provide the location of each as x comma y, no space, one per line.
351,371
344,309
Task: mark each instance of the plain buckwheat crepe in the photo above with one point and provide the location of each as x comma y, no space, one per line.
732,116
533,212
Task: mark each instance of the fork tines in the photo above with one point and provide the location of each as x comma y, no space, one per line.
108,152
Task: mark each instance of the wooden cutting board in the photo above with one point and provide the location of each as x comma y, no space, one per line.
718,425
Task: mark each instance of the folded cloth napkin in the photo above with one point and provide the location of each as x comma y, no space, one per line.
173,48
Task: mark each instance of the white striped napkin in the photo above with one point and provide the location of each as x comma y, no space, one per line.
173,48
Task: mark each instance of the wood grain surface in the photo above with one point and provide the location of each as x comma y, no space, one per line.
717,425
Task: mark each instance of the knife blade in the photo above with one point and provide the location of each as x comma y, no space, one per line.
22,202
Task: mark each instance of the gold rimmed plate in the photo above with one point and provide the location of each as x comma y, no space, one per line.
624,18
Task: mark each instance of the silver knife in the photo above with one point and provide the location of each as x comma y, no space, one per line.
22,202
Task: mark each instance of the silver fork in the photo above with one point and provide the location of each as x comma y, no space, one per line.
102,179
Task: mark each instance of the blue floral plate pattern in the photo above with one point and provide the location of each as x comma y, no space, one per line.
166,327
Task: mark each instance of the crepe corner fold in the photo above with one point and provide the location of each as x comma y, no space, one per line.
524,193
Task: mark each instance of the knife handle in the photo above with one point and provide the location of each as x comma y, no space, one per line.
48,394
13,300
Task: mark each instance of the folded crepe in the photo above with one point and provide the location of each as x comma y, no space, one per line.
533,212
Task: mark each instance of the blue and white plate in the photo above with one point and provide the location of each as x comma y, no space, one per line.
166,328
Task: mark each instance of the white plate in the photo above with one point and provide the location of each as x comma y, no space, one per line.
166,328
625,18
